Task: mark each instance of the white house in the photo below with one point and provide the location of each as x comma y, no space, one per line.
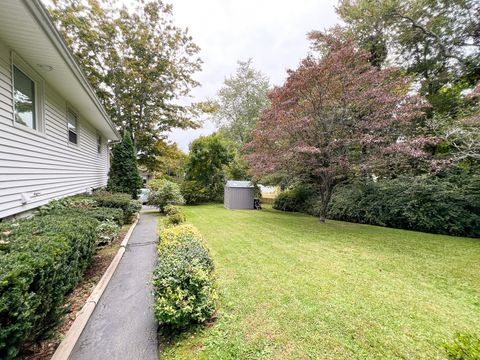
53,129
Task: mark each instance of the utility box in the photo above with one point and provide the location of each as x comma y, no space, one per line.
238,195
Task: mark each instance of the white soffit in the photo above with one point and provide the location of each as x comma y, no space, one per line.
26,29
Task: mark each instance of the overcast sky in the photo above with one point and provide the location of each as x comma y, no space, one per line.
271,32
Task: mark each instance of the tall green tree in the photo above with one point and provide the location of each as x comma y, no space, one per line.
240,102
123,176
206,163
436,40
171,161
138,62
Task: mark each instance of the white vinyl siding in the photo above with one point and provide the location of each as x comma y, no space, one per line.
43,165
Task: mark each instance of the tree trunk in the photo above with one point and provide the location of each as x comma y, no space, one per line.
326,197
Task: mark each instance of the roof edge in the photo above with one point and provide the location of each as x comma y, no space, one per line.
40,13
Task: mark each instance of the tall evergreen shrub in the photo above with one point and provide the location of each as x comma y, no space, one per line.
123,176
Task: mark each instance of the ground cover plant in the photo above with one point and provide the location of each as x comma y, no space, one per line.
293,288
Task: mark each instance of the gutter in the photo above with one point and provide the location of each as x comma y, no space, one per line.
40,13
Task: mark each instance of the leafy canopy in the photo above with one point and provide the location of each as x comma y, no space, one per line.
337,117
240,102
138,62
206,161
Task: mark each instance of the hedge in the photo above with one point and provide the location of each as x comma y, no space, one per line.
184,281
429,205
100,213
120,201
41,260
437,205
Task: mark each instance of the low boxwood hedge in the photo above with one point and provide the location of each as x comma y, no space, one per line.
184,281
120,201
41,260
100,213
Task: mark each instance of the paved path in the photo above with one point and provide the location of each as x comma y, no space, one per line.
122,326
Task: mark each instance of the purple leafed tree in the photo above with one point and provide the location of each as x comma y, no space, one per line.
337,117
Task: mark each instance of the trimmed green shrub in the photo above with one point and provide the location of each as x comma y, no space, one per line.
41,260
164,193
174,219
123,176
194,192
99,213
178,234
463,347
171,210
120,201
184,282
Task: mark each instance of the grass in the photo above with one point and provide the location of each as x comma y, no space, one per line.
292,288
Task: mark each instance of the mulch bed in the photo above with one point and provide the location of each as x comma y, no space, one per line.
74,302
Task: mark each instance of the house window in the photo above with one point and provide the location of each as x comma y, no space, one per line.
72,121
99,144
24,99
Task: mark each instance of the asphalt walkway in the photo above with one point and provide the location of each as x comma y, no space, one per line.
122,326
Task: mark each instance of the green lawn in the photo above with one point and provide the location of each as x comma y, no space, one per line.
292,288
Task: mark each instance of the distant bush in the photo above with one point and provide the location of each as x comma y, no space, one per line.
41,260
184,282
437,205
120,201
164,193
430,205
463,347
293,199
194,192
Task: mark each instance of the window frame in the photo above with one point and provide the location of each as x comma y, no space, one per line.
39,93
72,110
99,144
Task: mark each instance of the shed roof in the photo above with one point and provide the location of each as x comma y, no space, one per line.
239,184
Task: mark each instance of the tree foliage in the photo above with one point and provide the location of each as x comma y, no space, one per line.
170,160
337,117
138,62
206,162
240,102
436,40
123,176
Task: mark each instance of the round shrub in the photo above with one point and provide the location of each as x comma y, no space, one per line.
194,193
293,199
184,282
107,231
125,202
175,219
177,234
171,210
164,193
